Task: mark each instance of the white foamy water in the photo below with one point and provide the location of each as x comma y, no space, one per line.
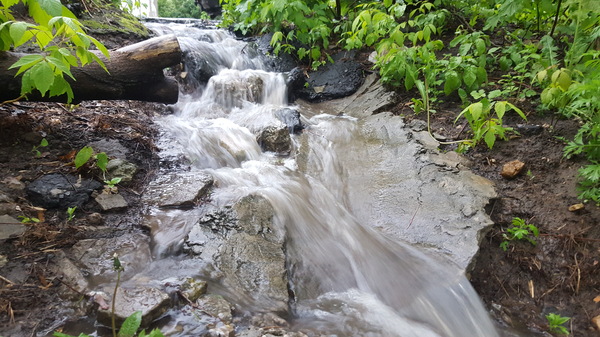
348,280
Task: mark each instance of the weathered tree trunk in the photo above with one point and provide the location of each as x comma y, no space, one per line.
135,73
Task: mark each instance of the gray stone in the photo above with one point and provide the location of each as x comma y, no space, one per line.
72,276
14,183
61,191
244,245
94,257
5,198
192,289
10,227
112,147
369,99
397,180
178,190
291,118
121,168
152,302
275,139
216,306
111,202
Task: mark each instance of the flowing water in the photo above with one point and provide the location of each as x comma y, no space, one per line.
347,278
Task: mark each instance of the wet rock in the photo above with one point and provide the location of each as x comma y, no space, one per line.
60,191
217,306
152,302
212,7
112,147
111,202
71,275
94,257
177,190
275,139
5,198
8,209
242,243
192,289
291,118
10,227
121,168
512,169
295,79
339,79
233,88
369,99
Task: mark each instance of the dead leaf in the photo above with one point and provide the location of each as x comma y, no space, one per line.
597,299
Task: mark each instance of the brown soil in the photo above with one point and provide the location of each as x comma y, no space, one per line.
520,286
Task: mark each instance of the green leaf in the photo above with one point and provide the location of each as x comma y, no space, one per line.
452,82
469,77
490,139
500,108
42,76
61,65
83,156
17,31
102,161
476,110
52,7
131,325
26,62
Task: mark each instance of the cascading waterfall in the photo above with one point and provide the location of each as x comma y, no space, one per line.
347,279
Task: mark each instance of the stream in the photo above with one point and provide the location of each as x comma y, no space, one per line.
313,227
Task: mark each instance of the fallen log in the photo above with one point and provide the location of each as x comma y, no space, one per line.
135,72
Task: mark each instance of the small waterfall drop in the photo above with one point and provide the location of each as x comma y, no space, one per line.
347,279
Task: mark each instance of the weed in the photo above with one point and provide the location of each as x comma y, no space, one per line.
25,219
71,213
43,143
485,124
555,323
87,153
520,230
110,186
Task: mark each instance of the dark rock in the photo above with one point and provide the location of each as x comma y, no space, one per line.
291,118
281,63
296,79
211,7
60,191
529,130
275,139
334,80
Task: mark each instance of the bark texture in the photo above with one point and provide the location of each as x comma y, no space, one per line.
135,72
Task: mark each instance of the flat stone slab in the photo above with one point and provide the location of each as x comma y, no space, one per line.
397,181
111,202
152,302
177,190
10,227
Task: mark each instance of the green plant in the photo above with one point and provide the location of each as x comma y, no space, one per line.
110,185
86,153
58,35
179,9
485,124
35,149
71,213
519,230
25,219
555,323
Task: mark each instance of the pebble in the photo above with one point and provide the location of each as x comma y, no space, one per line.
576,207
512,169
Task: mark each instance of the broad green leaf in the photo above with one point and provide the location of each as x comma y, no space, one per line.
42,76
60,87
519,111
52,7
480,46
131,325
83,156
490,139
26,62
277,37
476,110
469,76
102,161
452,82
500,108
17,31
60,65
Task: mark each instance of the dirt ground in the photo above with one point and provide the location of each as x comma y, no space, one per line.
520,286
